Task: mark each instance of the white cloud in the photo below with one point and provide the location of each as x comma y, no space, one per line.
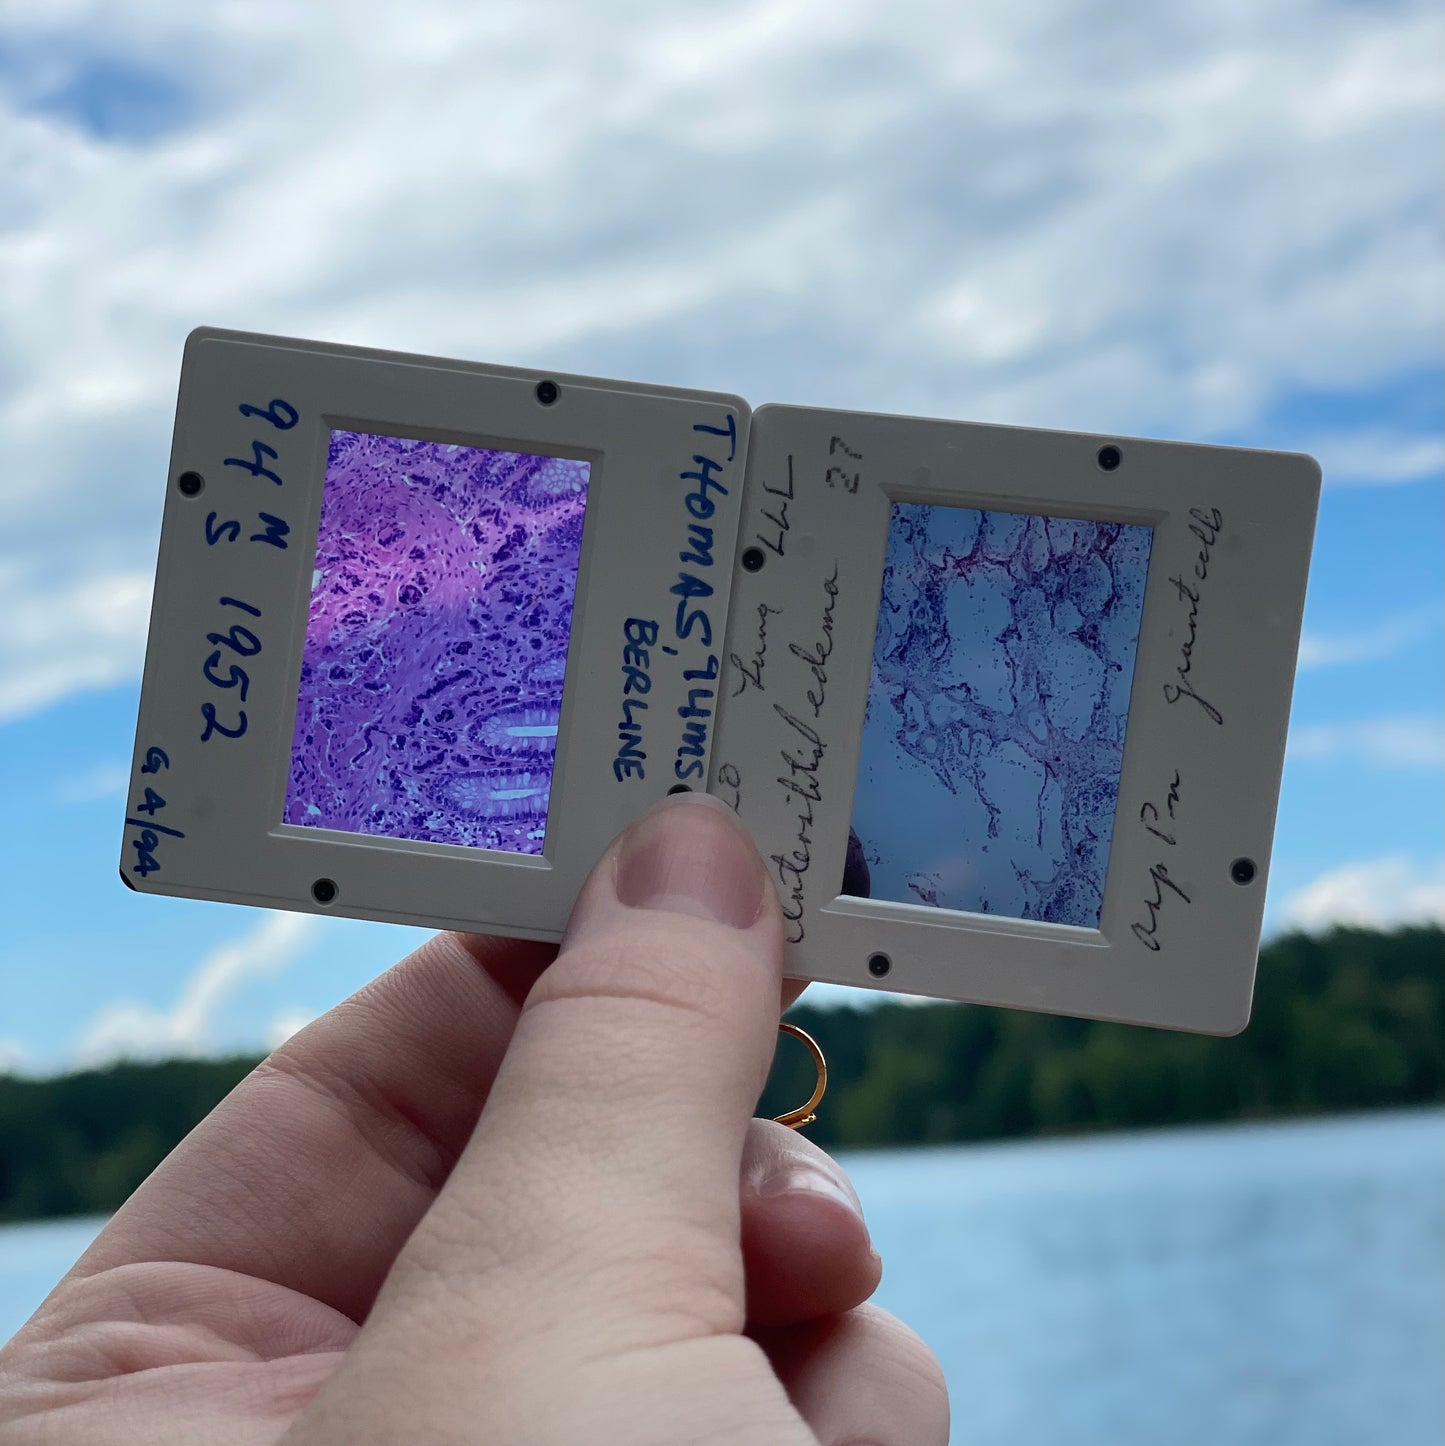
12,1056
1375,742
1374,644
89,632
1371,893
129,1029
1129,219
1378,458
105,780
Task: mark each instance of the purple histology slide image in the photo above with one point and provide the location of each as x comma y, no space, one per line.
436,642
994,733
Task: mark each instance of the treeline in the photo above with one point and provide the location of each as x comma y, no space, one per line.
80,1143
1351,1020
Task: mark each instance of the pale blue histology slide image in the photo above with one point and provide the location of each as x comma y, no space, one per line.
994,734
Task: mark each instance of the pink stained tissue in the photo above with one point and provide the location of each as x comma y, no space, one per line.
436,642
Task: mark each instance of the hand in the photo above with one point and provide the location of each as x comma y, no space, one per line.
494,1198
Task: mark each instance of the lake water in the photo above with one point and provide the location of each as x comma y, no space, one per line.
1271,1284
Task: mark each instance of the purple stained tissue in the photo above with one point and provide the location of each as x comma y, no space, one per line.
436,642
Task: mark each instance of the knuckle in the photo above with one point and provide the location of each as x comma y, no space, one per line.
373,1114
684,966
684,1289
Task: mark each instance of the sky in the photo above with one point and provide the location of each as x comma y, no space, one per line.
1212,221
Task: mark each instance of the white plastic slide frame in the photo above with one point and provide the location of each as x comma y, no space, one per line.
1004,708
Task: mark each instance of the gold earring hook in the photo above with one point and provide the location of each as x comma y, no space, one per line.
796,1119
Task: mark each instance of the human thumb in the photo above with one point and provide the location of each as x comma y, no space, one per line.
606,1159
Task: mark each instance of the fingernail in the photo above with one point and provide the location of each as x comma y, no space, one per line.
802,1179
690,855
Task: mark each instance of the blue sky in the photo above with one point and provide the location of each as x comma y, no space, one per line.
1195,221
